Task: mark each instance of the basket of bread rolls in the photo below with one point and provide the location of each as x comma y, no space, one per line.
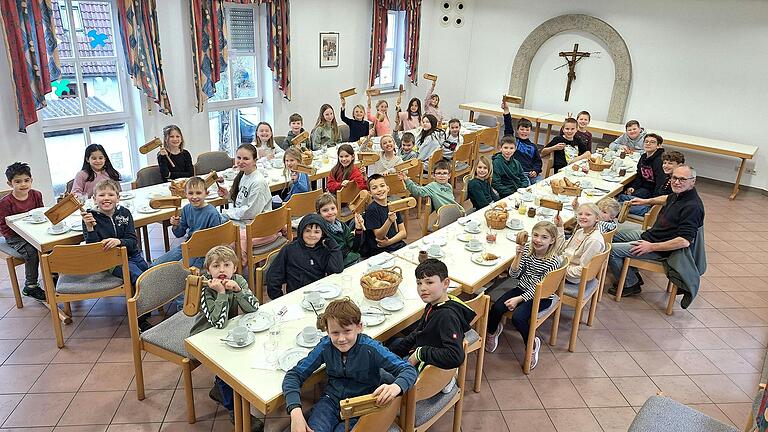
564,186
306,156
177,188
596,163
381,283
496,217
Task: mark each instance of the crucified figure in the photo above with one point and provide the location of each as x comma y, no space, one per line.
572,57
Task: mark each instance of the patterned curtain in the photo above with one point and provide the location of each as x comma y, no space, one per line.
32,52
412,10
209,45
141,42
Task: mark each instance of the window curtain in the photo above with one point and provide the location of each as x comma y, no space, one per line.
32,52
412,10
141,43
209,45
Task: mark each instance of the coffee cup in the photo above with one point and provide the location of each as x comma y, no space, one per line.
474,243
515,223
240,334
473,225
59,226
527,196
434,250
309,334
314,298
37,215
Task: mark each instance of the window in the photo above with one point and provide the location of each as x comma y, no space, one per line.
392,72
236,108
89,103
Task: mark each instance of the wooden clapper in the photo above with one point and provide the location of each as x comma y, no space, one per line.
405,166
300,138
308,170
431,77
151,145
360,202
348,92
193,293
63,209
210,179
517,100
400,95
402,204
550,204
373,92
173,202
368,158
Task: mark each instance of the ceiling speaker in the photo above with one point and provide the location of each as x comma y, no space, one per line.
445,20
460,6
446,5
458,21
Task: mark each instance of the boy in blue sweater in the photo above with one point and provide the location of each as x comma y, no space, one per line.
526,152
352,363
196,215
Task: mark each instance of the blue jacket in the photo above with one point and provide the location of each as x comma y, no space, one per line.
119,226
527,153
197,218
358,376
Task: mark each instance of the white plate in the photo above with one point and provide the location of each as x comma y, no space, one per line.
477,258
512,236
464,237
147,210
593,192
76,226
463,220
29,219
306,305
476,231
438,240
392,304
127,195
373,320
291,357
300,341
327,290
51,231
383,260
250,337
258,321
478,249
578,174
515,228
438,256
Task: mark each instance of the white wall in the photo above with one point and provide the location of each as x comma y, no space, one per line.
689,75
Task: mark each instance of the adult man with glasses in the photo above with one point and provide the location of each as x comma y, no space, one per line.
675,228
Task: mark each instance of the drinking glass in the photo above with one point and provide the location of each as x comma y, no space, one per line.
346,282
270,352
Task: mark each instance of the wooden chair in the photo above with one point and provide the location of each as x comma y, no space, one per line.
547,165
397,187
425,403
84,273
426,176
302,204
263,225
344,196
150,176
462,162
577,295
156,287
68,188
446,215
652,266
261,275
553,283
488,140
464,196
213,160
475,337
12,259
201,241
647,220
372,418
607,239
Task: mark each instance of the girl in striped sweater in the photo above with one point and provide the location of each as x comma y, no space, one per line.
531,264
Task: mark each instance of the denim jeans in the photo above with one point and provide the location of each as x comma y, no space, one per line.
136,266
533,180
227,395
31,258
325,417
620,249
637,210
521,316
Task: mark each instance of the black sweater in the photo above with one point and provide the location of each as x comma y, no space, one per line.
559,155
357,128
480,193
439,335
119,226
650,176
183,168
681,216
297,265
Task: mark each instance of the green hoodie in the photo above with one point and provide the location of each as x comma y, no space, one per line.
348,242
508,175
439,194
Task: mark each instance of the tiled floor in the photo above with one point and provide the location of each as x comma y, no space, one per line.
708,356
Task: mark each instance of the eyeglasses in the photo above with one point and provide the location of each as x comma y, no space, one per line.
680,179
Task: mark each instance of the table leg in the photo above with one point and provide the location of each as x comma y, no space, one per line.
238,411
536,136
246,415
738,179
549,133
471,116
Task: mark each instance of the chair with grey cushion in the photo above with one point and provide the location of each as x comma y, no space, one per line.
150,176
84,273
12,259
213,161
475,336
155,288
344,132
662,414
265,225
280,141
425,402
578,295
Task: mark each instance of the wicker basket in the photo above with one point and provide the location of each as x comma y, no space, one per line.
565,190
306,157
388,281
595,166
496,217
177,188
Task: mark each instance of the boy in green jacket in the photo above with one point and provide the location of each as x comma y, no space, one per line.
439,191
508,175
348,240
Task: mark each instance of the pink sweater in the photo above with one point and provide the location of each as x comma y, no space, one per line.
382,127
84,188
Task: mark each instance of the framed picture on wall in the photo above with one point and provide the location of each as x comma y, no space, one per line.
329,50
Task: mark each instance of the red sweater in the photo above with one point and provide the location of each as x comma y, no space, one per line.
10,206
355,175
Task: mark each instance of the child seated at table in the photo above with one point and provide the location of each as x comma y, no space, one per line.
453,139
225,293
384,230
297,182
670,161
347,239
265,144
407,147
388,157
479,189
21,200
632,139
112,225
326,131
508,175
566,148
439,335
173,159
312,256
353,362
526,152
533,261
296,123
96,167
430,139
586,241
358,125
609,212
439,191
650,172
380,120
345,170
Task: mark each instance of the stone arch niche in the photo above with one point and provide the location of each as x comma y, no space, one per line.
617,48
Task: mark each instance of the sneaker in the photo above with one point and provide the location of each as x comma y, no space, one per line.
144,324
35,292
215,395
629,290
492,341
535,353
257,425
448,388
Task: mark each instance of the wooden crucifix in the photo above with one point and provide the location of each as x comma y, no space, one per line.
572,57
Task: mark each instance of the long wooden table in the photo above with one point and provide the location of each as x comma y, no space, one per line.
743,152
495,110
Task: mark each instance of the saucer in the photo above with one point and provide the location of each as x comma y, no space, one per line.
147,210
463,220
300,341
249,339
472,231
76,226
306,305
440,255
326,290
464,237
60,231
471,249
291,357
127,195
258,321
392,304
31,220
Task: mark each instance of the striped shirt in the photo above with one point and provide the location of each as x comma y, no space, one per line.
532,270
606,226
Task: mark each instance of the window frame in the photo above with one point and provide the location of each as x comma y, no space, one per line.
396,21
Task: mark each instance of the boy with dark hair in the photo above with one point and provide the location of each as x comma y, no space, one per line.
297,127
353,362
384,230
650,174
21,200
439,191
312,256
407,143
526,152
630,140
669,162
347,239
508,175
566,148
439,335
